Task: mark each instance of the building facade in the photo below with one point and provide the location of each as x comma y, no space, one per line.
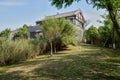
75,17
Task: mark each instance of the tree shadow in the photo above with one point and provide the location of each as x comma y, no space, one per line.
16,75
90,64
79,67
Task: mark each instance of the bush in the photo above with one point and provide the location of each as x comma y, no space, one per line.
57,32
15,51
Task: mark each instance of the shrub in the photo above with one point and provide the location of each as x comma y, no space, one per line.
15,51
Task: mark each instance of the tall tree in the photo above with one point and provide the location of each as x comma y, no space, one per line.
50,31
23,32
92,34
56,31
112,6
107,34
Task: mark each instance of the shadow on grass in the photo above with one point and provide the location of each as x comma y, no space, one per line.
16,75
91,64
79,67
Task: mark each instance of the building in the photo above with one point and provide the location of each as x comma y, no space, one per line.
13,34
34,31
76,17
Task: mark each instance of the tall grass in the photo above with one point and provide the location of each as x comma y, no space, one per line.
15,51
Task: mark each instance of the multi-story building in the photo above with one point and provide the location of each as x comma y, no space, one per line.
75,17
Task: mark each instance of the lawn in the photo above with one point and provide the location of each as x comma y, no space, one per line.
83,62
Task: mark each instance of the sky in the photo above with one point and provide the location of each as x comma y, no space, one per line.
15,13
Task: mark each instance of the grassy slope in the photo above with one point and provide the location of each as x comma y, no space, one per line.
76,63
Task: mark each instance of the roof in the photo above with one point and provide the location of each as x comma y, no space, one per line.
61,15
34,28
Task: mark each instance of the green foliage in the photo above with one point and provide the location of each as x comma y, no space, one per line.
67,34
105,32
60,3
5,33
15,51
23,32
58,31
112,6
42,44
50,29
96,3
92,34
68,40
55,29
100,3
105,37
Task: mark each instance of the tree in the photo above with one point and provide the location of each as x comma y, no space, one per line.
23,32
112,6
5,33
68,32
51,31
57,31
106,31
105,35
92,34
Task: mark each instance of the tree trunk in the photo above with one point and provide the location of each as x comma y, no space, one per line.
92,41
113,40
51,46
55,50
105,42
55,47
113,18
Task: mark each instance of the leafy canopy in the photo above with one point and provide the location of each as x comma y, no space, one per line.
96,3
23,31
54,29
112,6
92,33
57,32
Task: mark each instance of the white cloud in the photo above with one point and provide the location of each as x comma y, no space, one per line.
11,3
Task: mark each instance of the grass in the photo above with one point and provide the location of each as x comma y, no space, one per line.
84,62
12,52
